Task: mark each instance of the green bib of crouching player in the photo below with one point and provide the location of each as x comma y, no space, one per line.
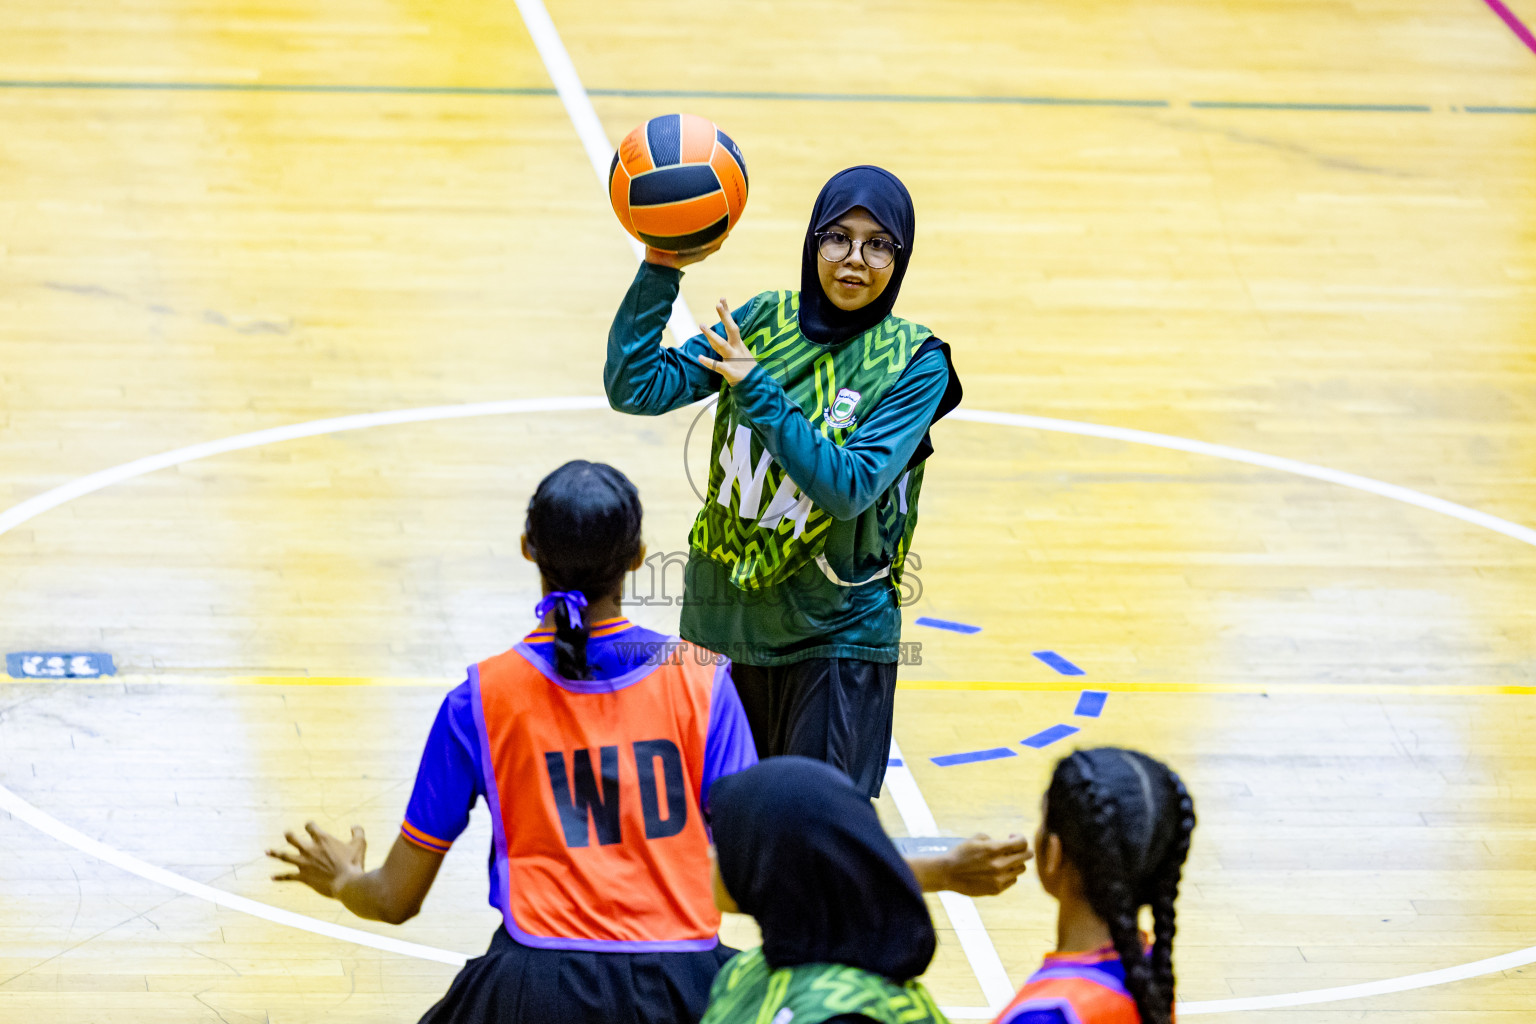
755,522
748,991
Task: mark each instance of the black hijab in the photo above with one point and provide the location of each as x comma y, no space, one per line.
885,197
803,852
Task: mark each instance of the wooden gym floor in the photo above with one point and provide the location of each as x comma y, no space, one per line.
1301,229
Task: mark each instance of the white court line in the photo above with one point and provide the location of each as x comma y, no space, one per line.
578,106
1477,968
961,910
134,866
15,516
1524,534
18,514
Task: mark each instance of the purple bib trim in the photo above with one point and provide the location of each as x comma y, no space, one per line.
613,685
1083,973
609,945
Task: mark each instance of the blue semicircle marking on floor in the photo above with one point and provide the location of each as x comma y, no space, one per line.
1046,737
945,760
1059,663
1090,704
958,627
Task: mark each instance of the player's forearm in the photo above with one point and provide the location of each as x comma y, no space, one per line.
843,479
836,480
932,873
641,376
393,892
369,895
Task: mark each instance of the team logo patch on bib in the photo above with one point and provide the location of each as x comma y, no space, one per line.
840,412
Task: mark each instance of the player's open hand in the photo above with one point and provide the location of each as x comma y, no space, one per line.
982,866
325,863
679,260
736,360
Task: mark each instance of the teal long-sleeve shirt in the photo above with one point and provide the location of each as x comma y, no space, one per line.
643,377
808,615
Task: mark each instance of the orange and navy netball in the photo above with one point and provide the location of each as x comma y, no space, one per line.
678,182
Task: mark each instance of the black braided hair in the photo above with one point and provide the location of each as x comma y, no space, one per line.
583,528
1165,883
1124,820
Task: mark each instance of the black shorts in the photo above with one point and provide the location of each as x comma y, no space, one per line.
517,984
837,710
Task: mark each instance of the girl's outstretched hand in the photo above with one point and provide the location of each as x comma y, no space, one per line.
736,360
980,866
679,260
325,864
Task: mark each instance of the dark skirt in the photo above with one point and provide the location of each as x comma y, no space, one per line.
517,984
837,710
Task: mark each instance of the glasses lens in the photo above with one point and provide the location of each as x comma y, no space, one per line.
835,246
878,253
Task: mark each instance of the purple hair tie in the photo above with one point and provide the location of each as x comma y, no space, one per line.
574,601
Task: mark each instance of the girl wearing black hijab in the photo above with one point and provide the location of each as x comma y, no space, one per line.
795,561
845,929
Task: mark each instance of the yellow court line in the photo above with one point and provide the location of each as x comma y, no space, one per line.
959,686
1323,689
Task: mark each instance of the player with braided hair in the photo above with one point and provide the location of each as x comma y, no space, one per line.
1113,838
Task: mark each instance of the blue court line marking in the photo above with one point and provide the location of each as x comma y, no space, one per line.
1375,108
895,762
1090,704
1059,663
1046,737
726,94
958,627
945,760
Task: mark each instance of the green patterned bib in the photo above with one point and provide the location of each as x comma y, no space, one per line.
748,991
755,520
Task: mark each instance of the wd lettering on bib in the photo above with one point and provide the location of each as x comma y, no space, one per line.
584,804
755,520
575,808
665,808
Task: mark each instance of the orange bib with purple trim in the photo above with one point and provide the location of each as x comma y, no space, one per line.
594,787
1083,988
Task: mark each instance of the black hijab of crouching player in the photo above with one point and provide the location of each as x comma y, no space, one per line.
1124,821
583,532
845,929
801,849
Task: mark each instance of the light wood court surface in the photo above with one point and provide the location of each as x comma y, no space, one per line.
1300,229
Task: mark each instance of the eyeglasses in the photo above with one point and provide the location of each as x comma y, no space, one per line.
835,246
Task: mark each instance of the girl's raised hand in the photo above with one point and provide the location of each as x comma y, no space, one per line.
325,864
736,360
679,260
